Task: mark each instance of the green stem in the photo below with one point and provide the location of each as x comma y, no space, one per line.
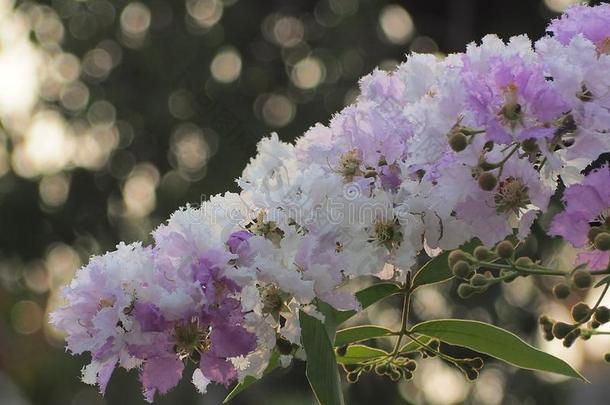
404,317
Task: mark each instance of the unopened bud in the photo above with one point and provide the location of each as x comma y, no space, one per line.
523,261
487,181
561,329
581,279
571,338
481,253
602,241
602,314
561,291
529,145
505,249
581,312
352,378
479,280
466,290
458,142
455,256
593,232
462,270
607,357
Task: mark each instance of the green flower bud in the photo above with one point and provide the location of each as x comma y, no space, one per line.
594,324
602,241
607,357
561,329
458,142
411,365
406,374
471,374
487,181
476,363
548,336
581,312
529,145
466,291
581,279
479,280
571,338
561,291
523,261
381,369
455,256
602,314
481,253
342,350
593,232
395,375
462,270
505,249
352,378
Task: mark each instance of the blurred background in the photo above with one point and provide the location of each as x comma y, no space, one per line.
114,113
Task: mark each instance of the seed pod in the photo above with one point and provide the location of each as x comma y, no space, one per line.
505,249
581,312
581,279
561,291
571,338
487,181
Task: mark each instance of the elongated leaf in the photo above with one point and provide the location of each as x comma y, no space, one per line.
413,346
368,297
359,333
496,342
249,380
321,363
357,354
437,269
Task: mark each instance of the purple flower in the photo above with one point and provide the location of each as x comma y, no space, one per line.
592,22
236,238
511,99
587,207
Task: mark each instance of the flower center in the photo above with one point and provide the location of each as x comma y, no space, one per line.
191,337
511,113
350,165
387,233
512,195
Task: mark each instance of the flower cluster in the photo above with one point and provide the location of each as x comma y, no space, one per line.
430,156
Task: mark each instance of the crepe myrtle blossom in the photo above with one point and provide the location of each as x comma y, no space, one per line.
430,156
585,221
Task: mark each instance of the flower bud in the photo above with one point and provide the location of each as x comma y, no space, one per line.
455,256
523,261
342,350
481,253
581,279
487,181
505,249
458,142
571,338
602,241
411,365
607,357
561,291
479,280
581,312
593,232
529,145
561,329
471,374
594,324
406,374
462,270
602,314
466,291
352,378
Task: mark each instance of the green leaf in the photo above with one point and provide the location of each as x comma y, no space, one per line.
357,354
413,346
496,342
368,297
249,380
358,333
437,269
321,363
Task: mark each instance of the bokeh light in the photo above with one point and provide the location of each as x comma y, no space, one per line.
226,65
308,73
396,24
